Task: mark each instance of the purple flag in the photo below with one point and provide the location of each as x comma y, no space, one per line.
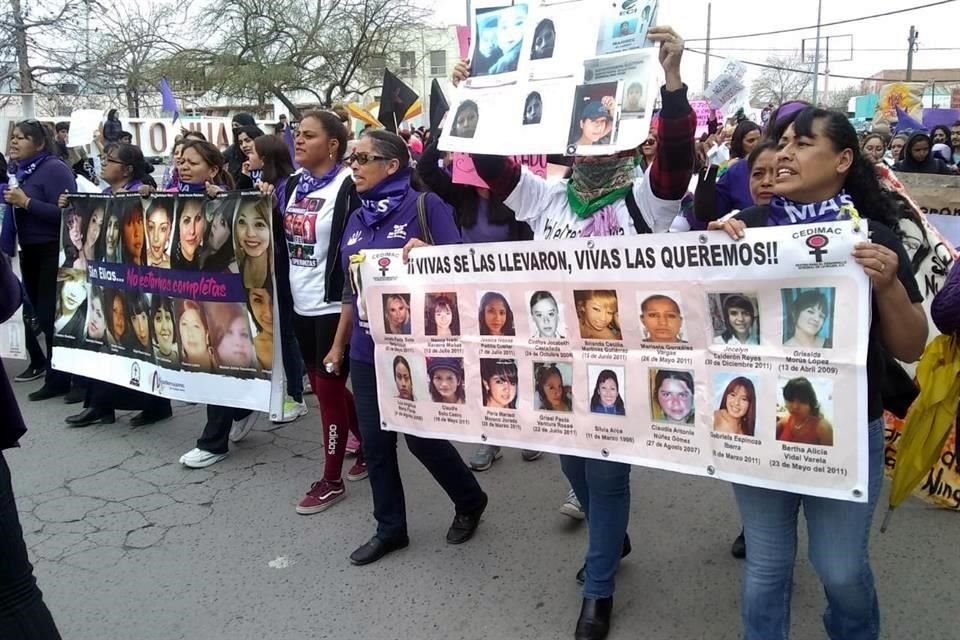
906,123
288,138
169,100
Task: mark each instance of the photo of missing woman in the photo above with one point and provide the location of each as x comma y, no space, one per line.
598,313
546,316
71,313
446,384
189,232
498,382
260,307
95,335
735,397
804,414
662,318
409,376
533,108
808,317
81,230
218,254
159,230
71,241
553,386
231,339
465,120
196,352
495,317
544,40
138,304
119,332
251,233
441,316
498,39
594,117
131,230
735,318
609,388
108,247
672,396
396,314
163,327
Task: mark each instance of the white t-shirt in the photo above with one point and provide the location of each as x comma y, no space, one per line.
544,207
307,225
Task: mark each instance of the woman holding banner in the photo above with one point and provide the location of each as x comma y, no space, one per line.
381,172
820,159
602,199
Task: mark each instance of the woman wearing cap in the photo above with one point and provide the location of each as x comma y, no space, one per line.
381,173
603,199
596,122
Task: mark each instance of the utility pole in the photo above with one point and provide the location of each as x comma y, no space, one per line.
816,54
914,34
706,64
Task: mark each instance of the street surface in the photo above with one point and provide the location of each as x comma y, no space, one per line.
130,545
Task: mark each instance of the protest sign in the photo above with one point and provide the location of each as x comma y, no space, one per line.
673,351
702,108
83,125
905,95
171,295
12,336
465,173
728,86
538,85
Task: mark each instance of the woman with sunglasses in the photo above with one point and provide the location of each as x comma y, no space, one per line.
603,198
40,178
381,173
819,160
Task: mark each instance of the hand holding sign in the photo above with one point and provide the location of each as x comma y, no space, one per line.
671,53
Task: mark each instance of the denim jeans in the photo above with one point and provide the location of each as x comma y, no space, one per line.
23,615
839,533
293,368
603,489
440,458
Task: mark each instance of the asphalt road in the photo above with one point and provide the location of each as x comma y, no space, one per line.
130,545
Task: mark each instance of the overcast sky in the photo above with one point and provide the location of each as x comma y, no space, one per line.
939,27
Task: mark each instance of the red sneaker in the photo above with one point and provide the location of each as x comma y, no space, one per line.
322,496
353,445
358,471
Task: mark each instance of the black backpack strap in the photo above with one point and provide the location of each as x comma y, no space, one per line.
424,219
638,222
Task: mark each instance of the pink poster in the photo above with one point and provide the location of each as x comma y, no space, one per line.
463,38
465,173
702,108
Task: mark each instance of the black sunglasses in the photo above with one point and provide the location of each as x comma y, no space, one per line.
362,158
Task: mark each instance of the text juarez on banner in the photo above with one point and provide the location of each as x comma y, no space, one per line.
171,295
686,352
464,172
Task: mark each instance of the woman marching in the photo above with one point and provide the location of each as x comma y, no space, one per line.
381,172
819,159
601,199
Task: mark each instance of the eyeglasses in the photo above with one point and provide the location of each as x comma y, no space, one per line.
362,158
647,143
108,159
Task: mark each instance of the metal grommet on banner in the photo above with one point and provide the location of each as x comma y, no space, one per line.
703,239
472,251
711,470
590,244
857,493
383,425
605,453
483,437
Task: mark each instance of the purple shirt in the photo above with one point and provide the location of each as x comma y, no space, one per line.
392,232
483,231
44,186
733,189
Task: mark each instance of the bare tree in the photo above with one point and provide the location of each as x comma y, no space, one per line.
840,98
329,49
786,78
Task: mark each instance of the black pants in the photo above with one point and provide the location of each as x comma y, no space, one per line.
103,395
216,434
37,358
380,452
23,615
38,264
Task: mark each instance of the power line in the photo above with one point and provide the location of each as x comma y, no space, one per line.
824,24
855,49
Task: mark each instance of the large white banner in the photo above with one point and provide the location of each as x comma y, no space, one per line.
564,77
12,334
688,352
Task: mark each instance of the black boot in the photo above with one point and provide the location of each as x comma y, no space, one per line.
627,548
594,622
91,416
739,547
145,418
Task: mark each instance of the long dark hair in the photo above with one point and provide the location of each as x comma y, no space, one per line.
275,155
736,142
430,321
596,403
38,134
748,422
861,182
130,156
488,298
506,369
800,390
543,373
212,156
736,301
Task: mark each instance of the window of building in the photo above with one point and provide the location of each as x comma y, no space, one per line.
377,64
408,63
438,63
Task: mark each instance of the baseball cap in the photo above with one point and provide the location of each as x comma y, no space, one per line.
593,110
451,364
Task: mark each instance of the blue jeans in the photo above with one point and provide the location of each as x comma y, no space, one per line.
839,534
603,489
380,452
293,368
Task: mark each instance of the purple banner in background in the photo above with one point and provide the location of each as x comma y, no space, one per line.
203,287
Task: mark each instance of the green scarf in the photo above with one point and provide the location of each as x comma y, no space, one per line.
594,185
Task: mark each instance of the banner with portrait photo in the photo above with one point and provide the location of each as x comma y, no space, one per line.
12,332
171,295
540,84
685,352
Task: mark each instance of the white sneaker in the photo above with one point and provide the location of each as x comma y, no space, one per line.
199,459
292,410
307,388
571,507
241,428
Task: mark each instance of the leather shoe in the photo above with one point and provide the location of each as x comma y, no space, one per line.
594,622
375,549
465,524
91,416
45,393
627,548
144,418
739,547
